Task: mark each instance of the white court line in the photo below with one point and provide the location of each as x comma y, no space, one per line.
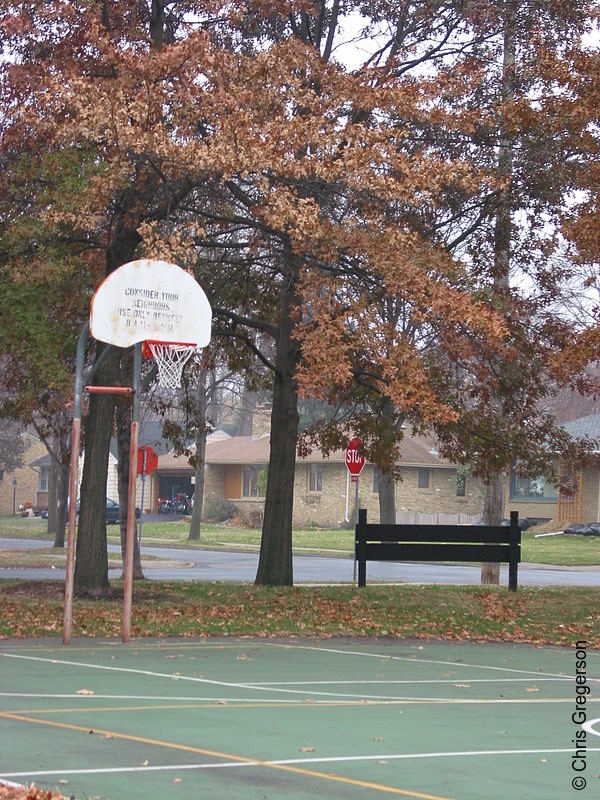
207,681
296,762
417,660
231,685
94,696
262,702
385,682
589,726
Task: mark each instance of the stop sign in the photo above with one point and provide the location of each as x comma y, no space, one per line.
354,461
151,460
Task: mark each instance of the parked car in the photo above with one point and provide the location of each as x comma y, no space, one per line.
112,512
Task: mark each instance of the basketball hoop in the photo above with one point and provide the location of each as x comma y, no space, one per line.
170,359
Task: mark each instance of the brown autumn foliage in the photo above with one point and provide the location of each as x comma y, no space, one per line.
32,792
322,206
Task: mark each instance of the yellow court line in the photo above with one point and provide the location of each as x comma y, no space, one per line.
227,756
232,705
213,704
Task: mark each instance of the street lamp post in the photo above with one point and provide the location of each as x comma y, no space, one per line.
14,497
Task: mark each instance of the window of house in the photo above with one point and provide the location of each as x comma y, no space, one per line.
424,478
315,477
1,475
461,484
375,480
44,477
531,488
255,482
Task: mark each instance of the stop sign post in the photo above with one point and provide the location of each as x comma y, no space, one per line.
355,463
147,461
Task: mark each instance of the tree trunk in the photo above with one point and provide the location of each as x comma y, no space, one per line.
53,479
493,514
493,511
58,488
387,499
196,522
62,505
91,563
387,482
247,409
275,561
124,450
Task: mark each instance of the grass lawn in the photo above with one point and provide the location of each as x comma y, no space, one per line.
32,609
558,550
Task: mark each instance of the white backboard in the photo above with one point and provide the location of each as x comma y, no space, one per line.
150,300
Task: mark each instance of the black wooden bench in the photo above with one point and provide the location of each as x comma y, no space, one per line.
471,543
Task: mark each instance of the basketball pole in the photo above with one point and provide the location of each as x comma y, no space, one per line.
80,388
73,483
133,452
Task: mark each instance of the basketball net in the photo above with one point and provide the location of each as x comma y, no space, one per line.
170,359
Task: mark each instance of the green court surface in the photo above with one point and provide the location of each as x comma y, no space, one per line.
292,719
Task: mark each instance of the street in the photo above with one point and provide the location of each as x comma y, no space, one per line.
226,565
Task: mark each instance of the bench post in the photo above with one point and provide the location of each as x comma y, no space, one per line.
360,539
515,541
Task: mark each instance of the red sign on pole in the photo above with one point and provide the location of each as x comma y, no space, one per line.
354,460
151,460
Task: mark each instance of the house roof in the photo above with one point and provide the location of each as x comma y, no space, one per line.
415,451
172,460
584,427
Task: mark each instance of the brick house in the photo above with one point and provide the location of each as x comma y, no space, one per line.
431,489
236,468
22,485
539,498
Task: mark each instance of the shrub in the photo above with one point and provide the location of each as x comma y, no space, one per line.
219,509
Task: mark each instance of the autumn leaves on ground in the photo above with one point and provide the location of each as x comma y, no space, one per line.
546,616
34,609
30,793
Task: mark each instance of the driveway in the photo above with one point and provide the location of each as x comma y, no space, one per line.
220,565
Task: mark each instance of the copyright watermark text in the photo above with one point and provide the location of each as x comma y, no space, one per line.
579,717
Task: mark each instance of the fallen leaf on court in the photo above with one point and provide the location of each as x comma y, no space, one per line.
462,685
84,691
176,780
307,749
532,689
145,763
381,762
108,736
221,702
378,738
63,782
